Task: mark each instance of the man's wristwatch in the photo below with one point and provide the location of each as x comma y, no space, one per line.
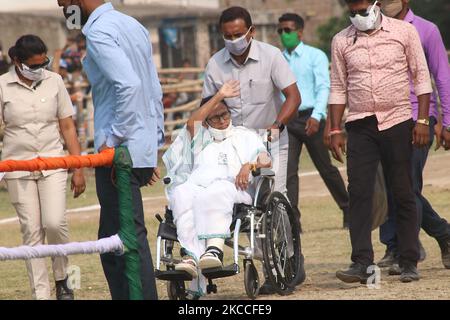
423,121
279,125
447,129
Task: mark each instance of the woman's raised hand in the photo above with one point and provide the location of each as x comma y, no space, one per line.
230,89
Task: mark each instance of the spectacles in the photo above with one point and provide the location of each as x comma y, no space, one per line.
362,13
285,30
38,66
224,116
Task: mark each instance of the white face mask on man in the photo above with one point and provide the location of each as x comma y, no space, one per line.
368,22
238,46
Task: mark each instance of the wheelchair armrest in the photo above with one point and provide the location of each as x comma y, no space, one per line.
167,231
263,172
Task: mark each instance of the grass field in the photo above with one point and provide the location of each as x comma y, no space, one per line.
325,245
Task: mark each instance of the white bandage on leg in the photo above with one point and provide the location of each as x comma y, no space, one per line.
215,242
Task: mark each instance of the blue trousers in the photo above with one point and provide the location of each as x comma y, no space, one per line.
429,219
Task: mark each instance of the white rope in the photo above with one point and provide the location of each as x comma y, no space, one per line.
112,244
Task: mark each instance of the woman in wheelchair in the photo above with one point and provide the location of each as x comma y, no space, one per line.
223,158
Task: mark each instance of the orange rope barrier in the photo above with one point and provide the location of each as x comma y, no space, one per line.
105,158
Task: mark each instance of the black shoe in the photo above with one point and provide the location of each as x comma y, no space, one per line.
62,290
346,219
394,269
388,260
409,274
266,288
445,251
356,273
423,253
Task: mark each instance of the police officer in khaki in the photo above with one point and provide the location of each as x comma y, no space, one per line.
37,112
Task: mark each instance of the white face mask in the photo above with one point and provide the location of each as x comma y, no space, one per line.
220,135
367,23
33,75
238,46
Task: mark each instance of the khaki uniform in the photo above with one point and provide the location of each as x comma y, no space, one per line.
31,116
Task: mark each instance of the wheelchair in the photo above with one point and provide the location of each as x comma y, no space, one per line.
269,223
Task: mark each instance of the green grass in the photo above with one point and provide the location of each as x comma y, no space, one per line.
321,220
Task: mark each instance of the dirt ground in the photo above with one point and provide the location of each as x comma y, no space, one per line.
326,248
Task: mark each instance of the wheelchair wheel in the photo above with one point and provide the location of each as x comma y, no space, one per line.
176,290
281,247
251,279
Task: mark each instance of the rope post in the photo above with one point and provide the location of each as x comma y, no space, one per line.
127,233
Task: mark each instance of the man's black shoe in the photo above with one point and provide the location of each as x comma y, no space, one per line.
356,273
388,260
444,244
409,274
62,290
394,269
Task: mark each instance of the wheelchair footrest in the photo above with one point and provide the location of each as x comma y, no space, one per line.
173,275
224,272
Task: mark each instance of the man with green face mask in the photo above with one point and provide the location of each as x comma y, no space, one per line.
310,66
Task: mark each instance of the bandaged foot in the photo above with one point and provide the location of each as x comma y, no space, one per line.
213,257
188,265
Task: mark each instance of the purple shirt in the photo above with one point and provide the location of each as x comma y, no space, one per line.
437,59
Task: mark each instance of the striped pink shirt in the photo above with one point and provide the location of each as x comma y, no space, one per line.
370,72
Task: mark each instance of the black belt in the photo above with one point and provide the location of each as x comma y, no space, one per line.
305,113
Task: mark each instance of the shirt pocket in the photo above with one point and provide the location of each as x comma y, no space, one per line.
261,91
47,108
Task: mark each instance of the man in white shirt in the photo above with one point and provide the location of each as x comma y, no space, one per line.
264,76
